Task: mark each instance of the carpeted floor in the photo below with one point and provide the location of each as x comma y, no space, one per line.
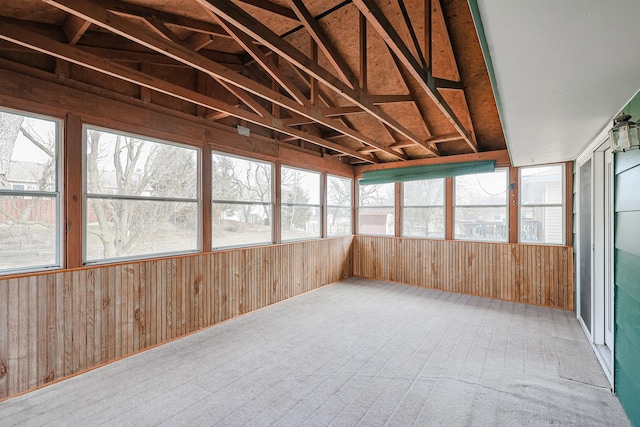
359,352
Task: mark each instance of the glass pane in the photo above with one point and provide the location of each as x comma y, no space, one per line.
338,221
377,195
300,222
241,179
128,165
300,187
27,232
482,189
239,225
481,224
376,220
541,225
339,191
124,228
428,192
541,185
423,222
28,148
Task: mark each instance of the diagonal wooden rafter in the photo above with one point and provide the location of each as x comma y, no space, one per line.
158,26
137,11
269,66
423,76
74,28
322,98
324,43
273,8
14,31
161,28
405,79
93,11
231,13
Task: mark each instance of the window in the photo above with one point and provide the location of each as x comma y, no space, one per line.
300,204
480,208
541,204
376,209
242,201
141,196
29,192
339,205
423,208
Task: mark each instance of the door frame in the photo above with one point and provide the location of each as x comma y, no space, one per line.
599,219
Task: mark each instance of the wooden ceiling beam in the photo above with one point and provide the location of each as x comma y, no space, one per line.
249,25
135,10
416,105
408,27
324,43
273,8
390,99
93,11
13,31
362,51
269,66
342,111
445,138
447,84
428,34
198,41
155,24
438,17
161,28
74,28
423,76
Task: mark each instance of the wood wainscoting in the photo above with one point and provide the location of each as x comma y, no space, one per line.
531,274
55,325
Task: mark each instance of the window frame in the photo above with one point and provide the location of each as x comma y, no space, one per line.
443,206
350,207
562,204
505,206
57,195
318,206
392,206
86,196
272,203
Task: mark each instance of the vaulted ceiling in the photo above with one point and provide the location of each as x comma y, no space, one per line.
366,81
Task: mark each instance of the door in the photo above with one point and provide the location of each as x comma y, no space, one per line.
608,250
585,246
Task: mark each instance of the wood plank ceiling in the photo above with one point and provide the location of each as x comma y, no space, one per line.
363,80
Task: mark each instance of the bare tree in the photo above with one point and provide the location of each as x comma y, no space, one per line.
9,129
140,168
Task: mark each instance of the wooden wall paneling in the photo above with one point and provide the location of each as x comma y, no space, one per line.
54,325
533,274
13,325
89,301
4,338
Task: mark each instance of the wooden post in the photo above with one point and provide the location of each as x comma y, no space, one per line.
323,203
398,210
206,198
72,166
277,206
355,188
512,200
568,200
448,208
